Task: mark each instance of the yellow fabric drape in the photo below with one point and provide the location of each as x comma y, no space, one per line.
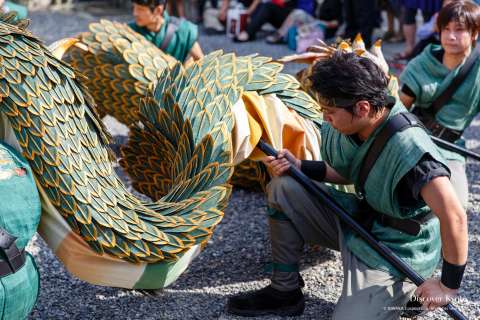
267,117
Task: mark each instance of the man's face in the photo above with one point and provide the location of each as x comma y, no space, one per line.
344,121
144,15
456,38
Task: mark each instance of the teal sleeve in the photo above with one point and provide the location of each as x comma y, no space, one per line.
21,11
410,77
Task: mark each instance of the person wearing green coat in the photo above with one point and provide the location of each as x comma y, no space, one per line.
406,202
177,37
430,73
8,6
20,210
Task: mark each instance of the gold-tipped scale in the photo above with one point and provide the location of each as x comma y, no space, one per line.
324,51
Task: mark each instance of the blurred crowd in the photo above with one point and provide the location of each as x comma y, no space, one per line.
299,23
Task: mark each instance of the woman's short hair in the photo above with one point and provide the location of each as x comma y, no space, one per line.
462,11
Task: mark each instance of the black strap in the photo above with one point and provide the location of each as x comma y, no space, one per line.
443,98
171,29
411,226
13,265
13,257
435,128
397,123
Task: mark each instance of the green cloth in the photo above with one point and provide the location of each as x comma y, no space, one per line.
22,11
427,77
19,214
19,291
182,41
421,252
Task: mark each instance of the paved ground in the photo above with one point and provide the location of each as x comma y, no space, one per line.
234,259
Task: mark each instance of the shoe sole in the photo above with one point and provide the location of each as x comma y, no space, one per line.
295,310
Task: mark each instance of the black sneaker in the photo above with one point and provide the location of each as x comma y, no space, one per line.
267,301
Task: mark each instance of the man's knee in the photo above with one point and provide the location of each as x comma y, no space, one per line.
278,189
282,184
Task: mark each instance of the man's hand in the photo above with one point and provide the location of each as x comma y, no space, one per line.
281,163
433,294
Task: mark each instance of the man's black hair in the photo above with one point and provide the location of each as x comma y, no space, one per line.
346,78
152,4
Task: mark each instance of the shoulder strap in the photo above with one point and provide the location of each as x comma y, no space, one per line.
443,98
171,29
13,258
397,123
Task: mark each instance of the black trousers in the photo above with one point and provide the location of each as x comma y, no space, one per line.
267,13
360,17
201,5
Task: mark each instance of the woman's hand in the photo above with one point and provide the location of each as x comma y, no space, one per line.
279,165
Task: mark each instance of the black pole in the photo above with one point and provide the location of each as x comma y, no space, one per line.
453,147
382,249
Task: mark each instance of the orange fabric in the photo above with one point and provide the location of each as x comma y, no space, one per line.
281,127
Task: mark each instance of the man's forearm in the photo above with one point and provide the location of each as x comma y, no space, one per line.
333,176
321,171
454,234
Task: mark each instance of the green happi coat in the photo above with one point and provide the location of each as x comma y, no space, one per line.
22,11
182,41
19,216
400,155
427,77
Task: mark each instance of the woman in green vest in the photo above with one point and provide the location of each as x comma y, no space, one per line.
8,6
19,217
407,203
430,73
177,37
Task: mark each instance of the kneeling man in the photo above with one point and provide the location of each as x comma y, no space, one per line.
406,201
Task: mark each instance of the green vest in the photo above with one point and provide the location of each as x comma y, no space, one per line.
181,42
22,11
401,153
19,214
427,77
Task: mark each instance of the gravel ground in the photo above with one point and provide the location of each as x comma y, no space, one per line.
234,259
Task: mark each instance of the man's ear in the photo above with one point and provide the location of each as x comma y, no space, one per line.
475,37
159,10
362,108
